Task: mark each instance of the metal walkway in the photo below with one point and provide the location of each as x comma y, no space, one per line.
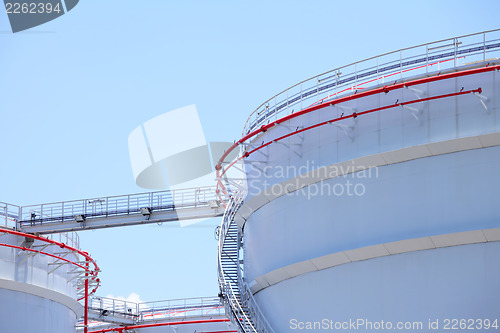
114,211
106,312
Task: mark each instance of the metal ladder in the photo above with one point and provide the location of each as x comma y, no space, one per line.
239,303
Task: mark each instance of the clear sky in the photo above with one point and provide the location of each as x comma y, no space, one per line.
73,89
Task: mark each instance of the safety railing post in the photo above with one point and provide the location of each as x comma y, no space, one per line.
401,64
6,210
317,88
356,76
185,307
287,105
426,58
275,106
484,46
169,308
19,218
336,83
300,96
455,45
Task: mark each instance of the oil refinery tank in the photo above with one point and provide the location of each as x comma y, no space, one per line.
41,281
370,197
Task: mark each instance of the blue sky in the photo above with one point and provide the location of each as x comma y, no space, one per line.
73,89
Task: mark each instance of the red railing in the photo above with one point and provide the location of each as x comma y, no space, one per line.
90,273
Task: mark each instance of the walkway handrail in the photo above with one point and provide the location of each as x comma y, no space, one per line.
180,308
114,306
395,65
9,218
144,312
9,214
120,205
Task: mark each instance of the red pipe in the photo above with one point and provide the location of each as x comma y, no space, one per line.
187,322
41,252
86,314
354,115
385,89
60,244
92,273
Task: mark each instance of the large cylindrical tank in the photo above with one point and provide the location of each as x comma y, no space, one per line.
37,289
379,206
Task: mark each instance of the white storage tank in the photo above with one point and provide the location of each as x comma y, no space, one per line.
372,200
40,282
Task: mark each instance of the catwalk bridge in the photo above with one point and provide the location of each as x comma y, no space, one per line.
115,315
113,211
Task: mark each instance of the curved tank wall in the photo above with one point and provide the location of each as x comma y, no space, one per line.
370,183
399,201
455,282
33,296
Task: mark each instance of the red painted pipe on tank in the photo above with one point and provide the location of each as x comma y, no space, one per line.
86,314
384,89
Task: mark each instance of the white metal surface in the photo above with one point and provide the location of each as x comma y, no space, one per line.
374,251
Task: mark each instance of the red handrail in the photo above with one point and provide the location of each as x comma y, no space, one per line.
90,274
